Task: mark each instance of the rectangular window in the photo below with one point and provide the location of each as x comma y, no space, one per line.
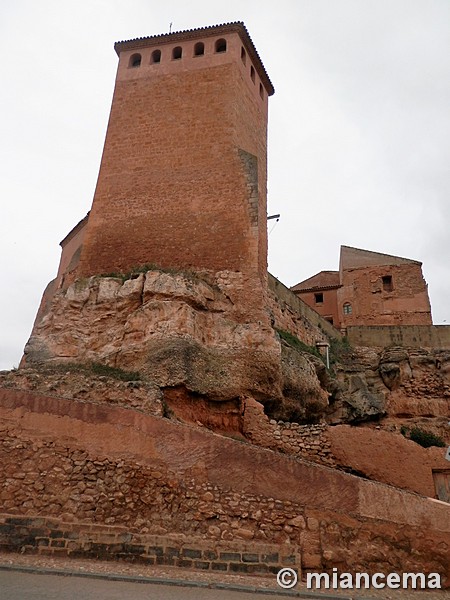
318,298
387,283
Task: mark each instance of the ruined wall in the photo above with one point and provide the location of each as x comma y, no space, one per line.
405,303
413,336
365,451
83,463
71,249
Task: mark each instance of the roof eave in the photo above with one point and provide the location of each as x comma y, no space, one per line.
212,30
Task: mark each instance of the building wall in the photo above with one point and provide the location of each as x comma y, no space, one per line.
407,303
71,250
182,182
328,308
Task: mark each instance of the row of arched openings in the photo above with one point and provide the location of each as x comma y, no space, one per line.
177,53
199,50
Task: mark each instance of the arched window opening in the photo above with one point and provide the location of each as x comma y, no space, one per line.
243,55
199,49
156,57
135,60
177,53
261,91
252,74
347,308
221,45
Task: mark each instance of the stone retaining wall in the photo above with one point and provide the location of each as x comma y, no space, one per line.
110,466
412,336
49,536
306,441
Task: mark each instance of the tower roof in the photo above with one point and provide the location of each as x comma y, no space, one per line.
212,30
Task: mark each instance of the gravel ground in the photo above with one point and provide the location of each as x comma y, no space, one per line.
174,573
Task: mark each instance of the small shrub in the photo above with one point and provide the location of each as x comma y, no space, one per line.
294,342
426,439
114,372
339,349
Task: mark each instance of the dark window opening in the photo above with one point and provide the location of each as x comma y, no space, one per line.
318,298
156,56
347,308
199,49
135,60
261,91
387,283
221,45
243,55
329,319
177,53
252,74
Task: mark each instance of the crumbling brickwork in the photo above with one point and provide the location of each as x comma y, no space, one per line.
401,300
370,289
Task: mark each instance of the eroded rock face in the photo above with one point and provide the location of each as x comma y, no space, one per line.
191,334
305,398
421,394
397,387
179,332
359,393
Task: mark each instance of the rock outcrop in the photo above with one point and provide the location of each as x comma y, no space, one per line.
185,335
191,339
394,387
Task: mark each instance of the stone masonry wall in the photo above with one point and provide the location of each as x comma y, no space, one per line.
307,441
405,302
118,467
172,198
414,336
54,537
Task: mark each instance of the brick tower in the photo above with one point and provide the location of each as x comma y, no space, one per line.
182,181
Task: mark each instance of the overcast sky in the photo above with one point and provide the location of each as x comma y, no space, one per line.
359,131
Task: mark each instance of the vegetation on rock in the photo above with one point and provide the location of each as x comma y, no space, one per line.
424,438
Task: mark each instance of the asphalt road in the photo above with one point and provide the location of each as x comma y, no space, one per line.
16,585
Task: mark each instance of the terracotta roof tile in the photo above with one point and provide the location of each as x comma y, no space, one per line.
324,279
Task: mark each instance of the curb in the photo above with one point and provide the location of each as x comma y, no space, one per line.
233,587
